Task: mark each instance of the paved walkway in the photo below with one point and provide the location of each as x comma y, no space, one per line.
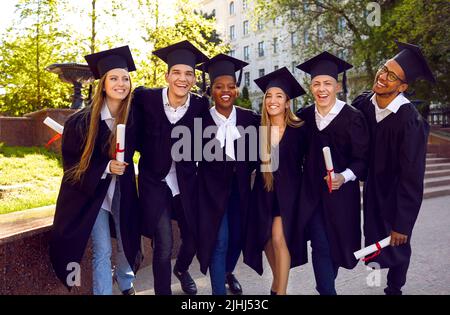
429,272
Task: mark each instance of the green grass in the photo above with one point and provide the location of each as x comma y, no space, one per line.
37,168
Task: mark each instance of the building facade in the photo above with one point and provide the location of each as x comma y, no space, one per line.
265,45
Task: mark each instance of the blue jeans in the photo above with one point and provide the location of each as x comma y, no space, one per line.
163,245
325,270
218,259
234,228
101,261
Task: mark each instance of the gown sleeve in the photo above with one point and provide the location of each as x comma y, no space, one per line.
72,148
359,134
412,154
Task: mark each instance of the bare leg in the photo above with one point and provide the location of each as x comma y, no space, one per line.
268,249
282,256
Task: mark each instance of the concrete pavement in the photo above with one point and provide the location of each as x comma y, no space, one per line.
429,271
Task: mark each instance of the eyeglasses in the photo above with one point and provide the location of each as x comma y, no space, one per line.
391,76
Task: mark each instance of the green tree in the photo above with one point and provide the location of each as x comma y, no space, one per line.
244,100
189,25
343,28
27,47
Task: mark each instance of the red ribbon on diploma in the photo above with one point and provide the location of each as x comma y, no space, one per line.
378,252
330,181
118,150
53,139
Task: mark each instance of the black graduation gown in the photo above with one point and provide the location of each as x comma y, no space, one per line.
394,188
348,138
215,183
78,204
154,142
287,183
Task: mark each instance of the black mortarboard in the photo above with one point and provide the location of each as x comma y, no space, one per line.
283,79
181,53
413,62
103,61
223,65
326,64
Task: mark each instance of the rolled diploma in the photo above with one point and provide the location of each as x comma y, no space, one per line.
120,156
54,125
328,160
372,248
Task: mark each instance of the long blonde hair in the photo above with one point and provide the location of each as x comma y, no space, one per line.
290,119
76,173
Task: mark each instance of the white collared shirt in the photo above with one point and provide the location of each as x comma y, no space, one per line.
227,131
105,115
393,107
323,121
173,115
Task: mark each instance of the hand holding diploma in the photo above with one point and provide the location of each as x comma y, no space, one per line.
398,239
329,166
120,142
118,165
374,248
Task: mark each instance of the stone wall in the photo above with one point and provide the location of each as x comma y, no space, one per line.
25,267
30,130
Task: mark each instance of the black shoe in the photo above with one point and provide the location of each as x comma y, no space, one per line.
392,291
233,284
130,291
187,283
272,292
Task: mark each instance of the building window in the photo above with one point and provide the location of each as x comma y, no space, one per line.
320,33
261,72
305,7
293,39
246,53
232,34
244,4
232,8
275,68
245,28
275,45
232,53
293,64
260,24
247,79
306,37
341,24
261,49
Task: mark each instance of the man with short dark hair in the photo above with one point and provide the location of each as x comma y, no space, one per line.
393,190
167,187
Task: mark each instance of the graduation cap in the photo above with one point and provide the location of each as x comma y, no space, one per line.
103,61
413,62
326,64
223,65
283,79
181,53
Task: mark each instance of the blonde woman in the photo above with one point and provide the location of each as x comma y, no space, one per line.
271,225
96,187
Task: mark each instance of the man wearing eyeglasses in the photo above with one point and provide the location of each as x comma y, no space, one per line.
394,187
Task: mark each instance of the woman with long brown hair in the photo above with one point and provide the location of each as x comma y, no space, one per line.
96,188
271,223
